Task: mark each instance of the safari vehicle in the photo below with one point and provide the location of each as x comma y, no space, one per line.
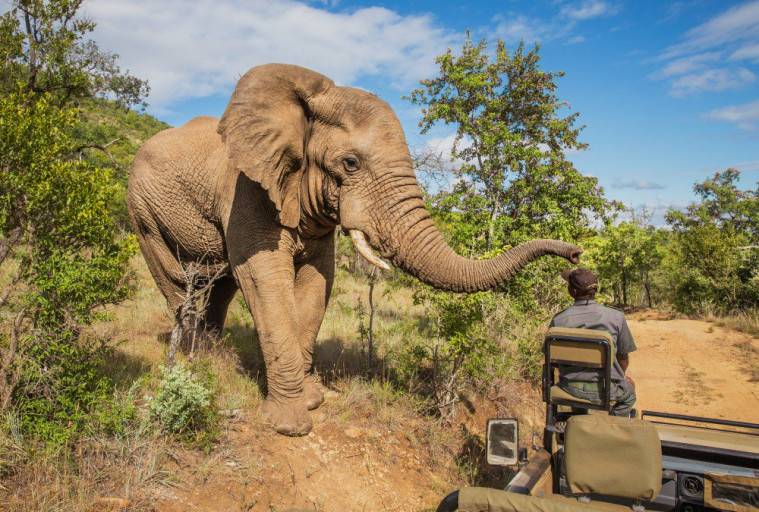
592,461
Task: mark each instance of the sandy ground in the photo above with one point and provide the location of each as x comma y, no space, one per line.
681,366
693,367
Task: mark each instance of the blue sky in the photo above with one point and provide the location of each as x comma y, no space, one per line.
668,91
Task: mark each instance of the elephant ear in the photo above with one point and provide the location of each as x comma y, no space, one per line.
265,129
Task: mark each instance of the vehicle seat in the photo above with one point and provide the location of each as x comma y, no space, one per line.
476,499
566,348
613,456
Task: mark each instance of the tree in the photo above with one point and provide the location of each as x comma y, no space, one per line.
722,204
715,261
61,258
514,182
66,261
43,48
625,255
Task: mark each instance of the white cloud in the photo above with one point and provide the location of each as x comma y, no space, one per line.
688,64
740,23
749,52
696,64
444,146
638,185
196,48
516,27
588,9
745,116
712,80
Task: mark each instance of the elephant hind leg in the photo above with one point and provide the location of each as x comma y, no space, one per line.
221,295
162,263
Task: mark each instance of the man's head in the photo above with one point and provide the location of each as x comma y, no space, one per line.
583,284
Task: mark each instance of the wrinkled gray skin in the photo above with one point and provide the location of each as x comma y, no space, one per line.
263,190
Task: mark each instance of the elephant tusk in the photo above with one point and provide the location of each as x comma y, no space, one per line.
359,240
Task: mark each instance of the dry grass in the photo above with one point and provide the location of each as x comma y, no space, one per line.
699,393
749,354
742,321
141,466
72,478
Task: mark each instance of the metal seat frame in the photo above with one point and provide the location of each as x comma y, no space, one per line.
550,363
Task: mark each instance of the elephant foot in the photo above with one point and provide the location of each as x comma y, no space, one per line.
312,391
288,418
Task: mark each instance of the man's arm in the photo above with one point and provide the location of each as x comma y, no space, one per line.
624,361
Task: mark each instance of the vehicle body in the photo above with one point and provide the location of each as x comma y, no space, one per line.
662,462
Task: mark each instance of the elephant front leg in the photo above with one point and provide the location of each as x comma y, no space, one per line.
313,284
267,282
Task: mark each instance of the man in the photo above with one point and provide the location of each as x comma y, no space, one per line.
586,313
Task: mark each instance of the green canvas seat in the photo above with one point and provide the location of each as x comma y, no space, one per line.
613,456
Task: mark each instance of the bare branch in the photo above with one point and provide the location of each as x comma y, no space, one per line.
6,244
194,303
104,149
6,386
16,277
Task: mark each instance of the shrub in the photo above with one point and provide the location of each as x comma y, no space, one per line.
455,352
63,395
185,406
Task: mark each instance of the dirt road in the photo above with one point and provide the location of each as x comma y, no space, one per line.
693,367
681,366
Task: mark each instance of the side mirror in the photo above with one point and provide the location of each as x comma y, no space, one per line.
502,442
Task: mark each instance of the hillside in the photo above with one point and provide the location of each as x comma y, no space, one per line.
109,136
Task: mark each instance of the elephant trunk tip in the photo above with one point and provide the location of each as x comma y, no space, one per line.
574,254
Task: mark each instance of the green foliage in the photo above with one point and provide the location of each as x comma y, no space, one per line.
515,181
626,256
185,406
70,264
714,264
63,394
44,50
456,351
109,136
74,261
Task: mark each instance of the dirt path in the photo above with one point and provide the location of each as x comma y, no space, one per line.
681,366
693,367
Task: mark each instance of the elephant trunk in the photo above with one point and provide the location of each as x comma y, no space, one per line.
416,246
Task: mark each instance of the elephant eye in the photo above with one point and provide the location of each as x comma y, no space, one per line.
351,164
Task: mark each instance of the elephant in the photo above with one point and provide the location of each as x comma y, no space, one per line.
258,195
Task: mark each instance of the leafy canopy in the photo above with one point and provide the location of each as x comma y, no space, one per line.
513,181
715,258
75,262
44,49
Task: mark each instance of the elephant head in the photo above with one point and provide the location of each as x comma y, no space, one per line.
330,155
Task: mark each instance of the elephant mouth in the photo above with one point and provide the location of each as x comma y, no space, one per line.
362,246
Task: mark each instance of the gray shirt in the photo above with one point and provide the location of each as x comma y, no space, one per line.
588,314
